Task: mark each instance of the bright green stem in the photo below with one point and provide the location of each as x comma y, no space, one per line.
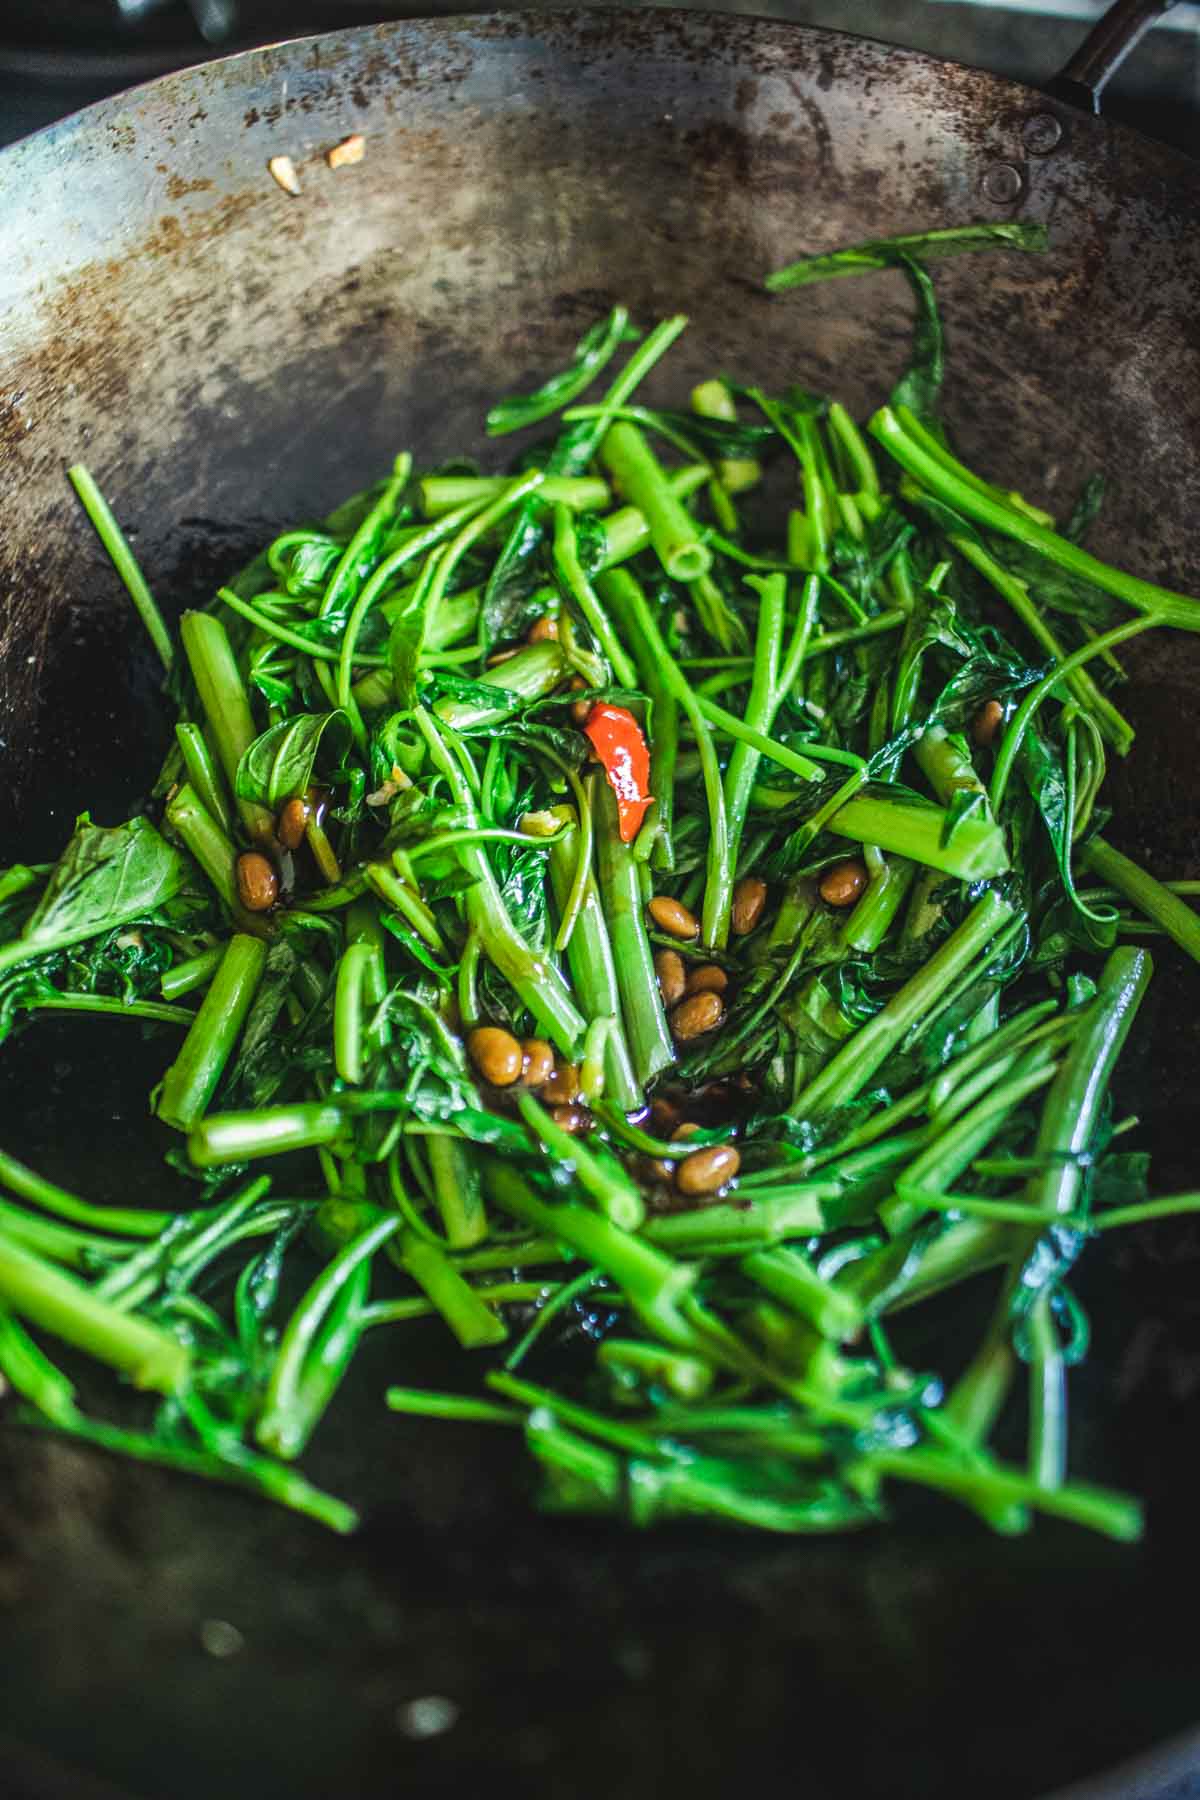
195,973
442,493
201,770
640,476
686,1377
533,975
531,674
633,614
947,767
30,1373
1071,1115
226,706
281,1424
1047,1397
212,848
457,1191
355,968
128,1221
191,1081
646,1028
330,1357
51,1300
992,1484
713,400
1151,897
791,1279
626,532
764,698
123,559
575,579
1116,728
1022,719
955,486
232,1463
976,850
473,1322
593,972
851,1068
653,1282
235,1137
602,1179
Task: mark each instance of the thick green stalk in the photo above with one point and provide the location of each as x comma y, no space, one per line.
976,850
601,1178
632,612
790,1278
212,848
593,972
473,1322
1151,897
1071,1115
201,770
51,1300
457,1190
640,476
619,882
761,705
848,1072
442,493
191,1081
626,533
196,972
235,1137
226,707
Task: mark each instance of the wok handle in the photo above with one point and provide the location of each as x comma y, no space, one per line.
1103,51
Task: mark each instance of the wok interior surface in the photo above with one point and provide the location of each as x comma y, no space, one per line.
228,360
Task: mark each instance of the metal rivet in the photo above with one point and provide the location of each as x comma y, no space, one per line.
1042,133
1002,183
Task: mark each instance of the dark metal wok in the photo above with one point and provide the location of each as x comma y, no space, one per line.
228,359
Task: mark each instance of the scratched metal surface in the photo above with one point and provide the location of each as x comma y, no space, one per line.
228,359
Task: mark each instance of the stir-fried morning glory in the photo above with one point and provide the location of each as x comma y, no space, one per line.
660,881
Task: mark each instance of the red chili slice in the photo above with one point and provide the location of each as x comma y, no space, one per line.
616,737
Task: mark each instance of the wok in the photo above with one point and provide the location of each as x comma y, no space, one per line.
228,359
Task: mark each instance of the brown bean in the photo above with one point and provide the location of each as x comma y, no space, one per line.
542,630
707,979
985,727
570,1118
696,1015
673,917
681,1133
537,1064
496,1054
257,882
562,1089
843,883
293,823
672,981
581,711
707,1170
749,898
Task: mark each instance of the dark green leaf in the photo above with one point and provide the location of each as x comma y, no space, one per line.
592,353
105,877
280,764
